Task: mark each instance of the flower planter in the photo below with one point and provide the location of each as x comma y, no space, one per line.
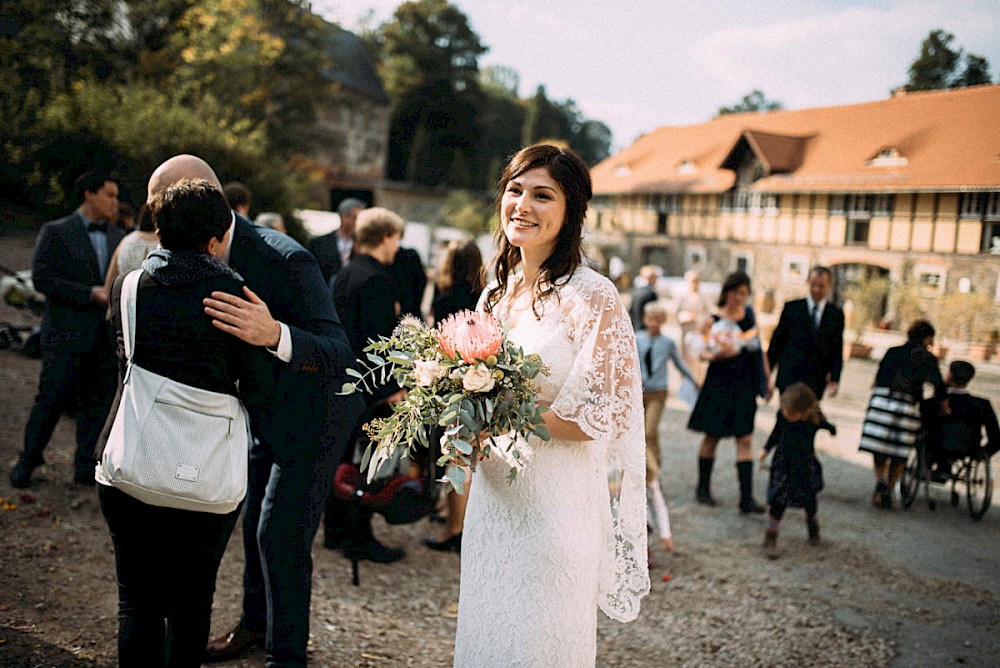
859,350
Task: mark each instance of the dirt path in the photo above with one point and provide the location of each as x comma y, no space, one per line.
899,588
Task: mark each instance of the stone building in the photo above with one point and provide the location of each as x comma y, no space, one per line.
907,188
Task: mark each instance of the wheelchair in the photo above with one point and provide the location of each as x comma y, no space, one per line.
968,469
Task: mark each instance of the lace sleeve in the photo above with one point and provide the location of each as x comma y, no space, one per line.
603,396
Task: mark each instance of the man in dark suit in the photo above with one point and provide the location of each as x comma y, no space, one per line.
365,299
78,361
299,423
334,250
409,280
808,344
643,292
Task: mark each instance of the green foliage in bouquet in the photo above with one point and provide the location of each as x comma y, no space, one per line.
463,377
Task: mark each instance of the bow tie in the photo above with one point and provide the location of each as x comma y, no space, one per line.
97,227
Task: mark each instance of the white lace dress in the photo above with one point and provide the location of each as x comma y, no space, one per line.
541,554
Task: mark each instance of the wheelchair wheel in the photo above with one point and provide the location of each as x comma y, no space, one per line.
913,473
978,486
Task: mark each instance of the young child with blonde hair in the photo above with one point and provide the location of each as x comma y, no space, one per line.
796,474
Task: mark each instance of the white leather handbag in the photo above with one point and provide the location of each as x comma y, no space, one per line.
172,444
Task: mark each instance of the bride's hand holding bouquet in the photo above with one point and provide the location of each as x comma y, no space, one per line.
463,376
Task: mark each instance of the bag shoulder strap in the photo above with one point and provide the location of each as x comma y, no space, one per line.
129,289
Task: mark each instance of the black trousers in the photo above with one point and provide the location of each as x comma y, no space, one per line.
80,383
166,561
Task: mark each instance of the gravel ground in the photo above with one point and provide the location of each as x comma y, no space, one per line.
899,588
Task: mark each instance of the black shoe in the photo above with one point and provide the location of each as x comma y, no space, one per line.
450,544
704,497
20,476
374,551
234,644
751,507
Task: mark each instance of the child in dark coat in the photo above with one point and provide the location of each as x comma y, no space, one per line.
796,475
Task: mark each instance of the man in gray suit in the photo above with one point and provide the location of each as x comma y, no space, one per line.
78,361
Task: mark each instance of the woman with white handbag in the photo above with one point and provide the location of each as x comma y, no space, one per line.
172,461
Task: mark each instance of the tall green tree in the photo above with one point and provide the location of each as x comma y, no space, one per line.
429,61
937,65
753,101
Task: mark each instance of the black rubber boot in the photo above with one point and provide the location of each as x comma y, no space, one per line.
704,493
745,472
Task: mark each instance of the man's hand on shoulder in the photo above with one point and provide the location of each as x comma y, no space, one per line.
247,319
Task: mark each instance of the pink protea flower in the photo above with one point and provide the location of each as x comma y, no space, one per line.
469,334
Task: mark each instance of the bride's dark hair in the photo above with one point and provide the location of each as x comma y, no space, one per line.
571,173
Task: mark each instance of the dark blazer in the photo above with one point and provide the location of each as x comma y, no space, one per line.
969,415
805,354
294,407
907,367
640,297
408,281
65,269
324,248
365,300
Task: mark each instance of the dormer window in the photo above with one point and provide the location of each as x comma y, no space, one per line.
623,171
686,167
888,157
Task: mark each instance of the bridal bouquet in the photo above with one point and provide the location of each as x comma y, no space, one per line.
462,376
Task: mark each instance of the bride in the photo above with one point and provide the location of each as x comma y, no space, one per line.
568,535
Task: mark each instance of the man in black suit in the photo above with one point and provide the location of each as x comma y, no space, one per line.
365,299
78,361
299,423
334,250
409,280
808,344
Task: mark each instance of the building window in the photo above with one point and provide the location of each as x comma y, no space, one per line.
888,157
661,223
859,205
742,261
857,232
694,257
972,206
837,205
796,268
884,205
931,279
991,237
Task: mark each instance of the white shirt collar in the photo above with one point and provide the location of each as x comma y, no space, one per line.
229,243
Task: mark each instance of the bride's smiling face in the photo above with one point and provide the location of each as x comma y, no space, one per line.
533,210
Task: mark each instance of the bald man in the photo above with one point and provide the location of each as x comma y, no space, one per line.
299,422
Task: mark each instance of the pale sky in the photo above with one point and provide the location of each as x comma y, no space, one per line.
639,65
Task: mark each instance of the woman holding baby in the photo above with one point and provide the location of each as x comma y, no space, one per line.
737,374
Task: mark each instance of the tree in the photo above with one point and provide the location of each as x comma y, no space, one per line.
429,66
936,66
753,101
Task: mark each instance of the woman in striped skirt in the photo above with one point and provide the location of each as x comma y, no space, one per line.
892,421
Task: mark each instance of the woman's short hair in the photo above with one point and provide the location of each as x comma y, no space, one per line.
573,176
733,281
462,264
919,331
375,224
189,213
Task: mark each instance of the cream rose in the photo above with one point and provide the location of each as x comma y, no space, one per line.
478,379
425,372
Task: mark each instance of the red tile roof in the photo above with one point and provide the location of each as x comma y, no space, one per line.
945,140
